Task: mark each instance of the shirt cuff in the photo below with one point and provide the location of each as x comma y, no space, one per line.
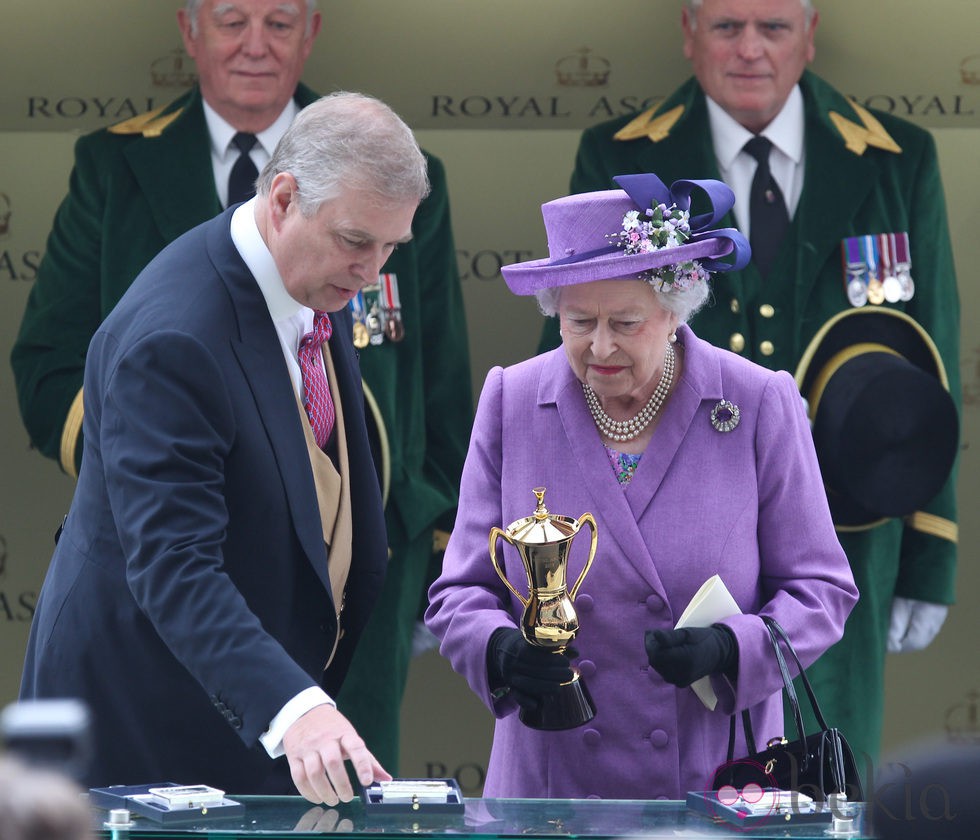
307,699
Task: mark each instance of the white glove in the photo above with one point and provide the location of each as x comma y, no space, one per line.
914,624
423,639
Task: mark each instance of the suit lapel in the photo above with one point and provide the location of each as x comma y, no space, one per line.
259,353
821,222
174,171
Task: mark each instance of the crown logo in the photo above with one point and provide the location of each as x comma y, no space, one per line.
174,70
582,70
6,211
963,721
970,70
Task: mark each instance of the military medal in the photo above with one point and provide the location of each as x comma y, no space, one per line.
876,292
391,307
361,333
855,272
373,314
376,330
890,285
903,265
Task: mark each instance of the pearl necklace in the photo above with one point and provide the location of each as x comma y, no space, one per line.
623,430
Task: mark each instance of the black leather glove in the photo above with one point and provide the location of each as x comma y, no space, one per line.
527,672
683,656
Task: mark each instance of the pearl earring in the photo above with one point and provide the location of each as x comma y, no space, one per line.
672,337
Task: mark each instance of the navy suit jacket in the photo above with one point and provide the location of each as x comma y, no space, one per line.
188,597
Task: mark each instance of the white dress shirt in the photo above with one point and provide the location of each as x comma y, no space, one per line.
224,154
786,160
292,321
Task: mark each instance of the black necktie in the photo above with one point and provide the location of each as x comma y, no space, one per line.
768,218
241,182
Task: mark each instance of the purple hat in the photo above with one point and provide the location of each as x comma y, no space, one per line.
643,228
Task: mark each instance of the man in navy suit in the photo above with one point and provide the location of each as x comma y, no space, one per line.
217,565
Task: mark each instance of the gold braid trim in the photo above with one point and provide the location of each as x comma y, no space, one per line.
379,421
936,526
70,433
440,539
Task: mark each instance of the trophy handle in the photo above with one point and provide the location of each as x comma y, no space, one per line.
497,532
585,519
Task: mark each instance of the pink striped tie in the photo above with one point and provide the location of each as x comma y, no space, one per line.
316,390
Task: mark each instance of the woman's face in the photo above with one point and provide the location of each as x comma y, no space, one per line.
615,335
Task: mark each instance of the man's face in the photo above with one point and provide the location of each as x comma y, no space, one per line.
327,258
748,54
250,55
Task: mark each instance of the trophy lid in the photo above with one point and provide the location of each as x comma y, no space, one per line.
542,527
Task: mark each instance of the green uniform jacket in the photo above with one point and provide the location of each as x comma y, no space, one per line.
138,186
844,194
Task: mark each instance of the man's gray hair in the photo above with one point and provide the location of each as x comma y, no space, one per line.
683,303
694,5
194,6
348,141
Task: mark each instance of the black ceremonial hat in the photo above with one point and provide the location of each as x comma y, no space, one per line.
884,424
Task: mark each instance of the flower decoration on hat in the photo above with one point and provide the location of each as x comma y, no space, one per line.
659,227
658,238
665,222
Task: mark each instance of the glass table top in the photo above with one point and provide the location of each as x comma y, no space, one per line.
480,818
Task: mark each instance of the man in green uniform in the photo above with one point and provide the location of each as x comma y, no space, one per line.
845,173
138,185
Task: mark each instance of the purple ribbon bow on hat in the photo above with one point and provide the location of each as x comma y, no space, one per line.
647,190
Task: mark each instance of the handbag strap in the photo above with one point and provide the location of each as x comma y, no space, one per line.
832,740
777,632
749,735
788,686
835,751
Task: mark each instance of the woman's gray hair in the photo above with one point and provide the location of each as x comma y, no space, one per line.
683,303
694,5
194,6
348,141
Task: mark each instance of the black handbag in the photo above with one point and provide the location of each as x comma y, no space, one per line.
816,765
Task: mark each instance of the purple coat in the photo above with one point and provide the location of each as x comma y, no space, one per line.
746,504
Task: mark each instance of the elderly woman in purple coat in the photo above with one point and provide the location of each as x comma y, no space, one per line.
693,461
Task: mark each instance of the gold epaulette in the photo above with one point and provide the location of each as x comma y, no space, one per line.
857,138
648,125
149,124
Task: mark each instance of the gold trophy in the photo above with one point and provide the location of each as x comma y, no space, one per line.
549,619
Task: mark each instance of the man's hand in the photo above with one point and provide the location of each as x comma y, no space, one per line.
316,747
914,624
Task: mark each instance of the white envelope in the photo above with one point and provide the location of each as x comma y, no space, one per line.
711,603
